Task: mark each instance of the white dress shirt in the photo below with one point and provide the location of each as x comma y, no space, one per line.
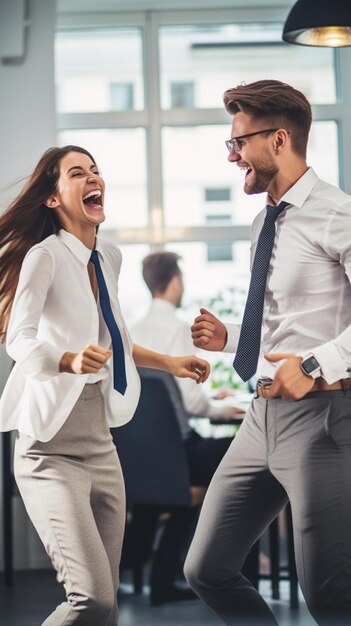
162,330
54,311
307,306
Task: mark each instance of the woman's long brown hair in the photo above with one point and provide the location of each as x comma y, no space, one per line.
26,222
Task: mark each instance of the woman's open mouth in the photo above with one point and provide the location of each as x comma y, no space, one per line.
93,199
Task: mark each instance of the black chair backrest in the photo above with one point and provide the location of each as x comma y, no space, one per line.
150,446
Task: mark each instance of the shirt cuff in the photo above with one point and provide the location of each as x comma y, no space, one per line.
44,365
332,364
233,331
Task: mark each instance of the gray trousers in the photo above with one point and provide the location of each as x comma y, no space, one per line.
298,450
73,490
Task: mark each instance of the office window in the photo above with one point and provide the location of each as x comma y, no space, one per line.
216,57
219,250
133,294
218,194
121,96
182,94
217,285
89,61
121,157
217,199
194,158
188,169
149,107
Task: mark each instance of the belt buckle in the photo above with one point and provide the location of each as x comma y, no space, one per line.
262,382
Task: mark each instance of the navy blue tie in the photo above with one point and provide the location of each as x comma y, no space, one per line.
245,361
119,368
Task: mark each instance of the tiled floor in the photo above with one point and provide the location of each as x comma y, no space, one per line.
135,611
35,594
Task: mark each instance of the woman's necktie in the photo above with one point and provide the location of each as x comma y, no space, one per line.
119,368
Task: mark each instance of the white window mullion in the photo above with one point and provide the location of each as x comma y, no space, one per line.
105,119
153,135
173,233
343,69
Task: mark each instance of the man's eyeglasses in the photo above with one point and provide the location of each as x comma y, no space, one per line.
236,144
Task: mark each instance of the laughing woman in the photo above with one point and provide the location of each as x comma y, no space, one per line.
74,377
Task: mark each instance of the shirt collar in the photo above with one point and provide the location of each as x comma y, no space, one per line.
98,247
159,304
77,247
299,192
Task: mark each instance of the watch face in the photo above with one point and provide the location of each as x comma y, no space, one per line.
310,364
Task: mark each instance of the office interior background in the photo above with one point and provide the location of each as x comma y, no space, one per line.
139,83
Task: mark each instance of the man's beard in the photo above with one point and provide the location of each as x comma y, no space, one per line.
260,178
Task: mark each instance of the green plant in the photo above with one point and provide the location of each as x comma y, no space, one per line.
224,375
227,305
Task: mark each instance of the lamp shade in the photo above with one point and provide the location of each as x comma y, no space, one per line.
319,23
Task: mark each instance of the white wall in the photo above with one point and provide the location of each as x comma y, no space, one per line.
27,104
27,128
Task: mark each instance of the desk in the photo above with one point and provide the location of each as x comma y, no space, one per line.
233,421
218,427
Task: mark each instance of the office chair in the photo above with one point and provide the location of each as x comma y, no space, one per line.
154,464
155,468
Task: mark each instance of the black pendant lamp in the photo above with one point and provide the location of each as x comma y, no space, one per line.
319,23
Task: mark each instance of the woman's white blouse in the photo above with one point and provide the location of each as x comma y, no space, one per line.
54,311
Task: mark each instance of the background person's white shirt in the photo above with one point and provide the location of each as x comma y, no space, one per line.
162,330
54,311
307,307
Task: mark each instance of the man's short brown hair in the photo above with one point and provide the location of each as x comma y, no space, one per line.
277,104
159,269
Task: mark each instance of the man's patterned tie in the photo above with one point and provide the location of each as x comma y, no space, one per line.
245,361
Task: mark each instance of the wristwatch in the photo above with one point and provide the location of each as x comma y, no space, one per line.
311,367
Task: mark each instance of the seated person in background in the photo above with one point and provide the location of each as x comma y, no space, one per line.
163,331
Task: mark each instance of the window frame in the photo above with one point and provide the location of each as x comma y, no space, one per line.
153,118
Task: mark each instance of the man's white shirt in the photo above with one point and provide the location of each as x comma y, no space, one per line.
307,306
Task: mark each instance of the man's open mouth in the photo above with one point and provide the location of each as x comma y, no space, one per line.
247,169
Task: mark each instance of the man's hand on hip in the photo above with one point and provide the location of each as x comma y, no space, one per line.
290,383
